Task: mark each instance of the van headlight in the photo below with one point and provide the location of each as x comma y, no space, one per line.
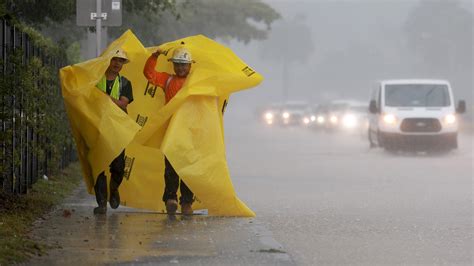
268,116
389,119
450,119
286,115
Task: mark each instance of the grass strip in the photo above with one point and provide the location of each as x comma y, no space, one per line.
18,212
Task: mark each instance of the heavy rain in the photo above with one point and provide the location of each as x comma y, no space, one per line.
355,149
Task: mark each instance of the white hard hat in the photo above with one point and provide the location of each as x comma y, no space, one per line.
181,55
121,54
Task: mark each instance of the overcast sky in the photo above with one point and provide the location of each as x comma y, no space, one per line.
355,43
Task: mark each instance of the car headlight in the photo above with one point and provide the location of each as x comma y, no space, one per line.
450,119
389,119
286,115
333,119
313,118
321,119
269,115
349,121
306,120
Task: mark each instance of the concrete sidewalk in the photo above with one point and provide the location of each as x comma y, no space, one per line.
128,236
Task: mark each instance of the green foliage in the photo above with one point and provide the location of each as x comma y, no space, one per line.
73,53
243,20
65,33
153,6
31,99
3,8
154,21
57,18
41,13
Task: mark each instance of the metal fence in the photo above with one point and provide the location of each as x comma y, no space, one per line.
25,152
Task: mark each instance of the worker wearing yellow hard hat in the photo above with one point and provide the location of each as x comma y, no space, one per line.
119,89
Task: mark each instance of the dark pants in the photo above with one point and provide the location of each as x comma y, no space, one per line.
172,181
117,169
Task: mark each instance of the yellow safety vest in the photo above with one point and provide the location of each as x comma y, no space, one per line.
115,93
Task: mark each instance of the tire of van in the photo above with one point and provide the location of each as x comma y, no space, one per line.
390,144
380,139
371,141
453,142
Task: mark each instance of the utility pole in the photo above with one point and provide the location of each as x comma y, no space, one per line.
99,14
98,25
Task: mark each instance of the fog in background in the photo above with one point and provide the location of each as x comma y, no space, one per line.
323,50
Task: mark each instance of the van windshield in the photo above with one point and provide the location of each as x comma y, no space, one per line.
413,95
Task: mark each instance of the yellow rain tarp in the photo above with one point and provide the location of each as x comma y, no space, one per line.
188,130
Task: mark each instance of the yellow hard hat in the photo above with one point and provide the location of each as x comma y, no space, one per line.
121,54
181,55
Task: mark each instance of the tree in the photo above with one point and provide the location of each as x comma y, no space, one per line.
153,21
288,42
57,18
438,32
214,18
39,13
42,14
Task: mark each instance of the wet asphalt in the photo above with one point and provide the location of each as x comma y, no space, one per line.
320,199
127,236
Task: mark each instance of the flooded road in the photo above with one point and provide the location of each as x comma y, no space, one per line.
319,198
329,199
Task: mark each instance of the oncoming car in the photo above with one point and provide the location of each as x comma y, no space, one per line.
270,115
315,118
347,116
293,113
355,118
416,113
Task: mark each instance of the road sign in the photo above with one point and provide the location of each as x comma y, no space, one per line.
110,15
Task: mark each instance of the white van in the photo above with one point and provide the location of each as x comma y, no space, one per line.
414,113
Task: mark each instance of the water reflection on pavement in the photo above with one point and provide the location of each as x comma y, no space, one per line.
131,236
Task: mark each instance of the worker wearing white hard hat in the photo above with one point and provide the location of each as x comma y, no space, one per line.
171,84
181,55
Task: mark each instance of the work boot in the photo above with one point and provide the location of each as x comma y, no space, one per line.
114,195
171,206
186,209
102,209
114,199
100,189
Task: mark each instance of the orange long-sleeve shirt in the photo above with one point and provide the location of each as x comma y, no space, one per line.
160,78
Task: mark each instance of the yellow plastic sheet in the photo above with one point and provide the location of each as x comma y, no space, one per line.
188,130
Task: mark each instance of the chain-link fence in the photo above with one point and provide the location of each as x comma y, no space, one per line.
35,137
